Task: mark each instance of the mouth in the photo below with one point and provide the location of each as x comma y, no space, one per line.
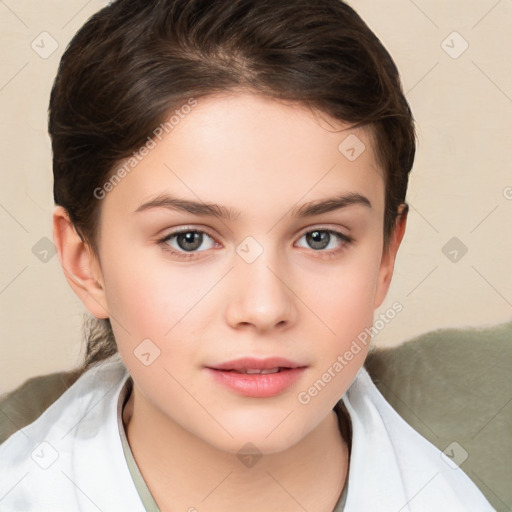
257,378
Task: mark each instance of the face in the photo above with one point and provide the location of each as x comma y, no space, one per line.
286,270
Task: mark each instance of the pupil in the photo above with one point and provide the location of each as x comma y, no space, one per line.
318,239
190,241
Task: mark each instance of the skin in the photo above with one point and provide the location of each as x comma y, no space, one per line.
262,158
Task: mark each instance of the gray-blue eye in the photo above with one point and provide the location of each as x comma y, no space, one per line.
321,239
188,241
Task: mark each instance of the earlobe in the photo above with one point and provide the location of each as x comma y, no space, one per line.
80,266
389,256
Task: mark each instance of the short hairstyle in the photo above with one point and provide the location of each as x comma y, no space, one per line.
135,61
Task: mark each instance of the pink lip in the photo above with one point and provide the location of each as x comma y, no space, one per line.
257,385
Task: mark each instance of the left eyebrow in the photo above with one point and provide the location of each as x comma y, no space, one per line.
329,205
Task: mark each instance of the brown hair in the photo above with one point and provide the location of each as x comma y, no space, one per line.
135,61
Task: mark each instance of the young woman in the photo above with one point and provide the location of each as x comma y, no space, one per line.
230,181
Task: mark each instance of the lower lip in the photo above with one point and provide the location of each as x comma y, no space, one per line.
258,385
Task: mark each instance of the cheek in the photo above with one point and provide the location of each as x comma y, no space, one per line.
158,314
343,296
347,311
150,294
343,301
153,299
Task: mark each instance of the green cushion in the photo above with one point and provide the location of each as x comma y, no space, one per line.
452,386
456,386
27,402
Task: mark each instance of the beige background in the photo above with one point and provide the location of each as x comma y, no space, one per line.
461,184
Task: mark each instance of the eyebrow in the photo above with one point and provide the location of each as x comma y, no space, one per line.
214,210
330,204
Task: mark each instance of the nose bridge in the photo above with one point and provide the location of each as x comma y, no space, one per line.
261,296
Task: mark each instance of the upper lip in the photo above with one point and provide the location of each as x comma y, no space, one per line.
246,363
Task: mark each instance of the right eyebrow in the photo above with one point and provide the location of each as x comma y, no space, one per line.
186,205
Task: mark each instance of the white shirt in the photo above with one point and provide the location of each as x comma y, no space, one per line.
71,458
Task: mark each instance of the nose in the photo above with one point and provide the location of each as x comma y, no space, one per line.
261,296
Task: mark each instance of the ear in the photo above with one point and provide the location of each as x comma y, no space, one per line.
81,268
389,255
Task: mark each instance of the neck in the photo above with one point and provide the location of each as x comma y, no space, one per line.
183,472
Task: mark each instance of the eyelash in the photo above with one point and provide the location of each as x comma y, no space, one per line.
345,239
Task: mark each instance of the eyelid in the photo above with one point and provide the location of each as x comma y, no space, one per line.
187,229
320,227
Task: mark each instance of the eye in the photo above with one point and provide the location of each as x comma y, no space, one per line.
322,239
185,243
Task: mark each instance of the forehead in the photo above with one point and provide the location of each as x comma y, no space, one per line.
248,152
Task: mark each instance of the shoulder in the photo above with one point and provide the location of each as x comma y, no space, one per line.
453,387
400,466
28,401
74,442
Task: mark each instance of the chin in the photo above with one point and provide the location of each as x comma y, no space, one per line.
256,443
271,433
